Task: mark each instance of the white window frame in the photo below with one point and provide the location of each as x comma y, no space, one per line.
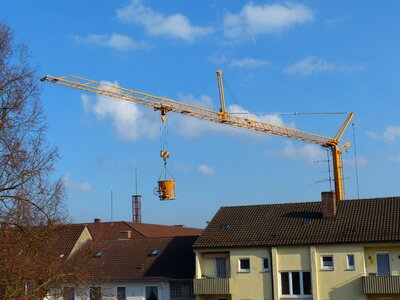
327,268
122,286
265,269
151,285
240,269
349,267
291,295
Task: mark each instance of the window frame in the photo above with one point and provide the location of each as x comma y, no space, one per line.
243,270
263,264
217,269
121,287
151,286
290,285
327,268
350,267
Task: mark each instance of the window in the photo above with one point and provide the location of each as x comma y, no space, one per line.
265,264
183,289
296,284
121,293
151,292
350,262
95,293
327,262
221,269
383,264
69,293
244,265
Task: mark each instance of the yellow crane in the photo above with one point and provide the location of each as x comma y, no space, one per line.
165,105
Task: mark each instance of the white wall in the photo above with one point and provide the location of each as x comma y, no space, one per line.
134,291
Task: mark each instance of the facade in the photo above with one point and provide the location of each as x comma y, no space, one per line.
315,250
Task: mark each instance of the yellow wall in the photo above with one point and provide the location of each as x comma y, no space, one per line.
294,258
253,285
83,238
392,249
340,283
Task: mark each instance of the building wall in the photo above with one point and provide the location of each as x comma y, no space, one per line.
255,284
370,257
83,238
340,283
134,291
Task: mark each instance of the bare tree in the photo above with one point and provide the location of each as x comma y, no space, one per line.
28,196
31,201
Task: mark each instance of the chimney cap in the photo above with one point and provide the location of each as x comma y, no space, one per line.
97,220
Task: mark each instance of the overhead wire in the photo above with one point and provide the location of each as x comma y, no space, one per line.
355,159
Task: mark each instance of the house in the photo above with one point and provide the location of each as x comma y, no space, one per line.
314,250
134,261
33,259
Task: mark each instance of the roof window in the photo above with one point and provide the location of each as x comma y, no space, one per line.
225,226
98,254
155,252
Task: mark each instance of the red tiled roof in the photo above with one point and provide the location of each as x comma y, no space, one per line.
111,230
367,220
121,260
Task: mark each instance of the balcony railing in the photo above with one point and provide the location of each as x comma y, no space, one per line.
373,284
211,286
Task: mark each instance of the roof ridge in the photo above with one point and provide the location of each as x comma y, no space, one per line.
308,202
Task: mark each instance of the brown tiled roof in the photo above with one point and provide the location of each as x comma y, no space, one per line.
65,236
121,260
155,230
367,220
111,230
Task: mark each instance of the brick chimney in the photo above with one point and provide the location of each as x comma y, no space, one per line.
125,235
97,220
328,205
4,227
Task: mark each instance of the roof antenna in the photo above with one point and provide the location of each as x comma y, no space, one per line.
111,204
136,204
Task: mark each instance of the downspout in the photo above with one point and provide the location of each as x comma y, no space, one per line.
272,273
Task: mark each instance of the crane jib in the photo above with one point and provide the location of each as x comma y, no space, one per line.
165,105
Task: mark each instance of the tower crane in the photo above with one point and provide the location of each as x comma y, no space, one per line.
166,105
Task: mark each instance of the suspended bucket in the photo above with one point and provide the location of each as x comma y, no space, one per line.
166,189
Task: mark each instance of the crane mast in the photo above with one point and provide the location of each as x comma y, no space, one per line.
166,105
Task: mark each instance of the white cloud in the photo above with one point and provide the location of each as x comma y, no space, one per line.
391,134
394,158
205,170
248,63
157,24
313,65
361,161
114,41
309,152
69,183
255,19
192,127
130,121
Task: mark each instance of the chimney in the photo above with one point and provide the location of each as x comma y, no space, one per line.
97,220
125,235
137,208
328,205
4,227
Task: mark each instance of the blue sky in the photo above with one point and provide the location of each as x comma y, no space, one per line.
296,56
